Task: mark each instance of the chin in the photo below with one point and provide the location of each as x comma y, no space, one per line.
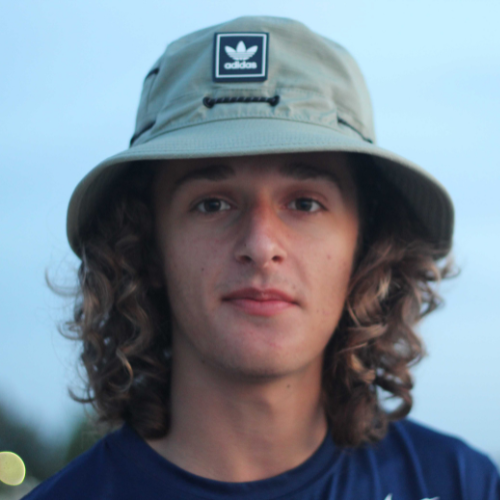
257,372
258,365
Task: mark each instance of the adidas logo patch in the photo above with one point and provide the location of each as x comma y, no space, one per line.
240,57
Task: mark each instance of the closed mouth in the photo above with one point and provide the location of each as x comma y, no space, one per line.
264,295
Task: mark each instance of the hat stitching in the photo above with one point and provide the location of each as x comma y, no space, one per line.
347,113
361,147
255,117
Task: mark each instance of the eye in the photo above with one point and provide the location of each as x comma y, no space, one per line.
212,205
305,205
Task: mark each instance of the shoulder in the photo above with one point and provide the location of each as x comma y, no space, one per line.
84,478
434,444
444,462
119,466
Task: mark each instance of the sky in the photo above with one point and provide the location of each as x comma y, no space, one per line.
71,78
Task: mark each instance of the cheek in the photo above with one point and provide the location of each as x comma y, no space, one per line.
331,269
334,275
191,264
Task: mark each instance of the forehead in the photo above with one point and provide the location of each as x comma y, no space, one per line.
336,168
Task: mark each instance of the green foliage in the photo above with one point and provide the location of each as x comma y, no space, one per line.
42,457
83,436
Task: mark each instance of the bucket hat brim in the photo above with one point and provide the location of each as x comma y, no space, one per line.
256,136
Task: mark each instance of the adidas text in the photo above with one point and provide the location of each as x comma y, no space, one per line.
240,65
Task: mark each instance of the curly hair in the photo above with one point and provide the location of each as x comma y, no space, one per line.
122,318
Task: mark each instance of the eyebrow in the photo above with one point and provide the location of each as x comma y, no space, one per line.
212,173
294,170
305,171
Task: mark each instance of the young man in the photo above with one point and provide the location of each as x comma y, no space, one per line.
253,269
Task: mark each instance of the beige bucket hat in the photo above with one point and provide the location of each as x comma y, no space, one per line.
258,85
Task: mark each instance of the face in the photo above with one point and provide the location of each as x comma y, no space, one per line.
257,253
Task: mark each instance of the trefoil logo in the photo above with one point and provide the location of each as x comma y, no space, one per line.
240,55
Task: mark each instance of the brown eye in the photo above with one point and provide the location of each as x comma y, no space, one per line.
305,205
212,205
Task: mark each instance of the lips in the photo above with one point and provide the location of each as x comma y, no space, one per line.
260,295
253,301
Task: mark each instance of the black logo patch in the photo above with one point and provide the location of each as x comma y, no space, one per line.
240,57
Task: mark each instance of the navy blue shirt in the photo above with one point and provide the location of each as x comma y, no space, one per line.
411,463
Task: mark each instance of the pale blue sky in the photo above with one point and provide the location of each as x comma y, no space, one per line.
70,83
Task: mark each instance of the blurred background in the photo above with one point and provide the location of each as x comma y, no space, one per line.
71,75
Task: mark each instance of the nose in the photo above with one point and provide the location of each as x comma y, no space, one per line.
261,240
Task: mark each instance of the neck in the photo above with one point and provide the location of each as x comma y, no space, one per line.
235,430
